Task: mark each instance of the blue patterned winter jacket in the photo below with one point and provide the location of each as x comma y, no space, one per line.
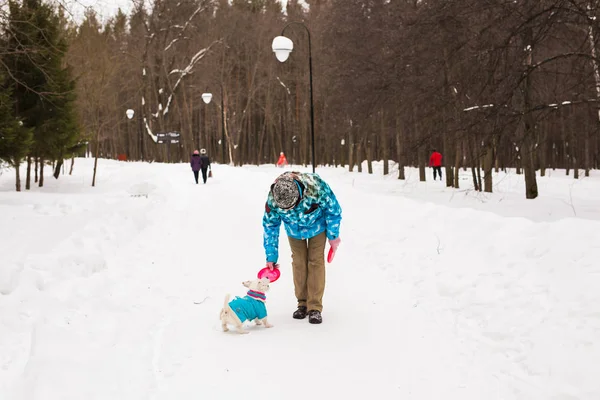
317,212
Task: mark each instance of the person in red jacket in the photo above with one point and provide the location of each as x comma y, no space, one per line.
282,160
435,161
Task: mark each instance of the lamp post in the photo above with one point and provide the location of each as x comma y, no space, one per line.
342,142
282,47
294,141
207,97
129,114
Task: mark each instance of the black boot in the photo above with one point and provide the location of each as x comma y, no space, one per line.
300,313
314,317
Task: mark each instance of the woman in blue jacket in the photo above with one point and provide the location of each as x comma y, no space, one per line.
311,214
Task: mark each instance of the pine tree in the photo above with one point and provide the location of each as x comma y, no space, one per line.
43,87
15,139
24,62
62,127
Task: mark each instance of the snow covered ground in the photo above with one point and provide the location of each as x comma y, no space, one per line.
114,292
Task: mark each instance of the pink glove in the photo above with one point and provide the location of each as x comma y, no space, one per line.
335,243
272,265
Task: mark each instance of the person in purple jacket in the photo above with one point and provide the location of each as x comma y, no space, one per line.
196,164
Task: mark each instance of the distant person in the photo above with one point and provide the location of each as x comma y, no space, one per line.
205,163
196,164
435,161
282,160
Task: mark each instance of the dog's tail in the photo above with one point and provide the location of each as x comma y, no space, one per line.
225,309
226,300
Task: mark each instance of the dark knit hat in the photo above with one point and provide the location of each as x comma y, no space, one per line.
286,192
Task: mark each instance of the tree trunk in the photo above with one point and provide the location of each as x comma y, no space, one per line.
384,146
531,189
575,156
475,186
72,164
41,180
447,154
57,168
473,162
36,169
593,54
564,140
28,177
401,136
587,156
422,157
351,150
457,160
488,162
586,148
399,152
496,157
478,162
359,155
96,158
543,149
502,157
95,167
229,141
449,172
519,160
18,176
369,156
527,156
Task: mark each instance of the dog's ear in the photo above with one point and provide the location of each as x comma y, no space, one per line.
246,283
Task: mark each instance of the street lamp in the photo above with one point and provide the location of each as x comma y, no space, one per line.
207,97
294,141
129,114
282,47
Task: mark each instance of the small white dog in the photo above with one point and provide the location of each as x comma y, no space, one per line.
247,308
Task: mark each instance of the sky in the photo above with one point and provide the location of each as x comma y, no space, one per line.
105,8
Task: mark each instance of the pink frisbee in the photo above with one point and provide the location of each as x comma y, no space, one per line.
330,255
266,272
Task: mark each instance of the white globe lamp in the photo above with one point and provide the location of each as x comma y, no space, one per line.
282,47
129,113
207,97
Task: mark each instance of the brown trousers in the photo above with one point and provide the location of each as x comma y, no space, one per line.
308,263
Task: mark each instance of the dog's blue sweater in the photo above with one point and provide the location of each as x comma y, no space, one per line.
248,308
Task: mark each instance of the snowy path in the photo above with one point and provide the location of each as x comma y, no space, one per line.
422,301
